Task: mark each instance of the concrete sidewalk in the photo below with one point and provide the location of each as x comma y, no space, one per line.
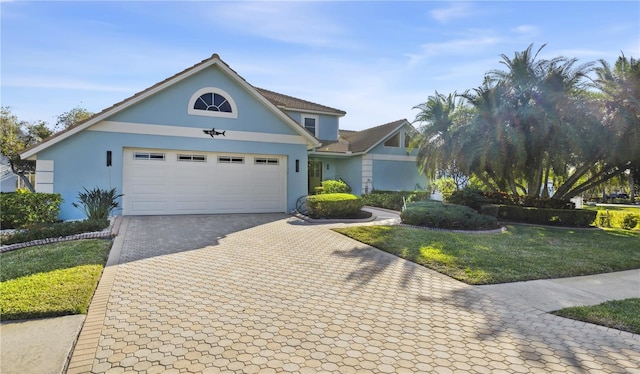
550,295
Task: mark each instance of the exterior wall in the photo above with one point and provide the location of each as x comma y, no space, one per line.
327,126
162,122
169,107
350,170
80,161
397,176
395,168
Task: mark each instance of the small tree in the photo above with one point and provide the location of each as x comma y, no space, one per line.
15,137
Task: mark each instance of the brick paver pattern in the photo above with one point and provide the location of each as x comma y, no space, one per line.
268,293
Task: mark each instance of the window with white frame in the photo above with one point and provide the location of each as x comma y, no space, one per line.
213,102
310,123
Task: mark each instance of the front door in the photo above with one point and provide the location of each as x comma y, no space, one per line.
315,176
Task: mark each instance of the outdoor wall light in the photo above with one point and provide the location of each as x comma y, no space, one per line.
297,166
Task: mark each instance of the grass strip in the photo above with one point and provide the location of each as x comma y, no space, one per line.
521,253
51,280
617,314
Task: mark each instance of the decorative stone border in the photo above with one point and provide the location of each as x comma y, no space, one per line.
109,232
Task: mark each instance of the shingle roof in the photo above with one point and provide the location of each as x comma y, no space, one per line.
360,141
290,102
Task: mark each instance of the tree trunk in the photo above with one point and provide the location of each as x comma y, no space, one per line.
26,181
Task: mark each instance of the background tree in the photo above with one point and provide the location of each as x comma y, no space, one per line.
534,121
621,87
72,117
15,137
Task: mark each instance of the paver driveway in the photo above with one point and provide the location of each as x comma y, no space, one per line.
267,293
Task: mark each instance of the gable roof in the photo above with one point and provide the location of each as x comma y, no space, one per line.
362,141
214,60
292,103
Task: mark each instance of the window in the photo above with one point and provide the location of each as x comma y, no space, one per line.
393,141
266,161
192,158
148,156
230,160
310,123
407,140
214,102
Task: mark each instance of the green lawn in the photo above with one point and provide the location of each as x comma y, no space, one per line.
613,207
618,314
521,253
51,280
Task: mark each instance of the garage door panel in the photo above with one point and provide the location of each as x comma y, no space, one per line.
222,183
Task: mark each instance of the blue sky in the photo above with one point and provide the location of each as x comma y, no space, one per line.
375,60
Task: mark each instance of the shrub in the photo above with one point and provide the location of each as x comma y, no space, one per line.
20,209
335,186
630,221
615,218
446,216
336,205
97,203
471,197
393,199
552,217
56,230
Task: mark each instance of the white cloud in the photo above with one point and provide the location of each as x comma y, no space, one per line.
454,10
291,22
477,41
528,30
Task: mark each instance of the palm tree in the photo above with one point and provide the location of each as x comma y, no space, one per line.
621,85
436,127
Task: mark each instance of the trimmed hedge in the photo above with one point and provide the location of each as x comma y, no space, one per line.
334,186
56,230
475,199
335,205
616,218
446,216
551,217
20,209
393,199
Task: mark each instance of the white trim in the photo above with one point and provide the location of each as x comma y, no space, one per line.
44,176
136,98
213,90
317,118
377,156
367,172
194,132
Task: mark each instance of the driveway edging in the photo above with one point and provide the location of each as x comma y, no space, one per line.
84,351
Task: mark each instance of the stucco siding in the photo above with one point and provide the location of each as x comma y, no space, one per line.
396,175
169,107
80,161
327,125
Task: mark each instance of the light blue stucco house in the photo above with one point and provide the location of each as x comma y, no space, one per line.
206,141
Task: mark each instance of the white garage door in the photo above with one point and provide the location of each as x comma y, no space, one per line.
186,182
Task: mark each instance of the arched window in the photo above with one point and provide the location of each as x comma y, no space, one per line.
213,102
